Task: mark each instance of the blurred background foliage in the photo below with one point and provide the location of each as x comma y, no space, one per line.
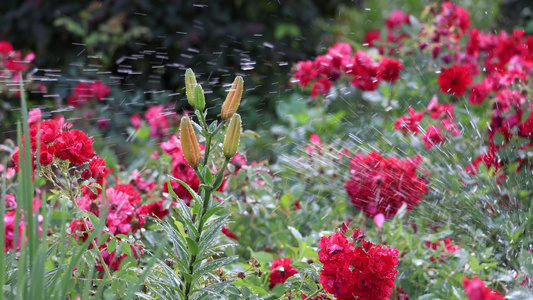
141,48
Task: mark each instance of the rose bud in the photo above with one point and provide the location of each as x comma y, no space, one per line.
232,137
231,104
190,146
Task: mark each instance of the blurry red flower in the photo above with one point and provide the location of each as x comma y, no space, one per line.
75,146
321,87
305,73
382,185
366,272
479,92
389,69
409,123
454,80
227,232
136,121
364,71
6,48
475,290
281,270
432,137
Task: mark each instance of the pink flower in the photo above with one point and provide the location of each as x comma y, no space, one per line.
479,92
136,121
432,137
316,144
99,90
379,220
34,116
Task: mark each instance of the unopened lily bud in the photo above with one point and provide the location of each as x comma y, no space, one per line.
189,143
233,135
230,106
199,98
190,85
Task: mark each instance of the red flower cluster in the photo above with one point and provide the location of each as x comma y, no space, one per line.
327,68
52,142
475,290
122,216
85,93
281,270
394,26
445,30
507,60
433,134
364,272
11,60
382,185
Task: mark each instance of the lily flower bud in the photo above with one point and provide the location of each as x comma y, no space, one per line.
230,106
232,137
189,143
190,85
199,98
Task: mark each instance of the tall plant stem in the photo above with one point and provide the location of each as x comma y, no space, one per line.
207,199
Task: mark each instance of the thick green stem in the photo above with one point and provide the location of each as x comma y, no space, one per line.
201,222
207,148
208,138
207,198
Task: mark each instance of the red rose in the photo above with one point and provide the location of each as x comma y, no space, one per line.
374,186
321,86
99,90
366,272
364,71
281,270
305,73
389,69
75,146
475,290
454,80
154,209
48,131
